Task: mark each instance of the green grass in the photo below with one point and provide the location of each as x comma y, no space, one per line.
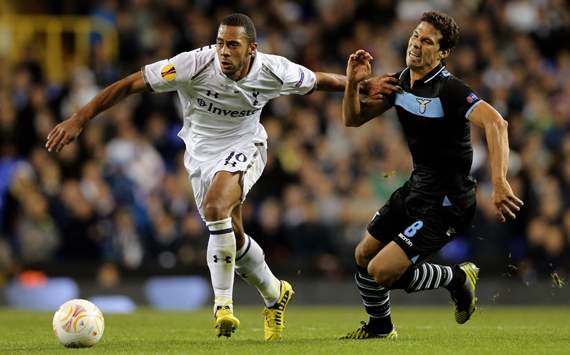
311,330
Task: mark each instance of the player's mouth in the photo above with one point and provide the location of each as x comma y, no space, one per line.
227,65
414,55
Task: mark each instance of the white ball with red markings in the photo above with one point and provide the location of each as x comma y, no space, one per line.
78,324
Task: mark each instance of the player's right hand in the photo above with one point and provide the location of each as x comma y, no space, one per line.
64,133
359,66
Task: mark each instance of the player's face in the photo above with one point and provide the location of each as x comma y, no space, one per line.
423,53
234,51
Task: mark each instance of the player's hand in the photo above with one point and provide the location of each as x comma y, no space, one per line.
64,133
379,86
359,66
505,201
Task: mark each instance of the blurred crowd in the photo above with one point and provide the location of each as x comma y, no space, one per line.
119,199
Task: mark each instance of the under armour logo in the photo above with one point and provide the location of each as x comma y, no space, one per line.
227,259
255,94
212,93
423,104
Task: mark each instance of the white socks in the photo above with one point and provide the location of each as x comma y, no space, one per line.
221,255
251,266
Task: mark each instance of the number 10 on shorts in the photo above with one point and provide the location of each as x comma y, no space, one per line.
234,158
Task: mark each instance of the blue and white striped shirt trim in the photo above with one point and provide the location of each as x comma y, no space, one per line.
436,74
472,108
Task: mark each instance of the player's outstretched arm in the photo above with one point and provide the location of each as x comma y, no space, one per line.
68,130
486,117
354,111
330,82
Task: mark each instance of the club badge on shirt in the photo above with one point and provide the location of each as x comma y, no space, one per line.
168,72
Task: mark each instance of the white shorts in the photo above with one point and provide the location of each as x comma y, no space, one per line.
249,158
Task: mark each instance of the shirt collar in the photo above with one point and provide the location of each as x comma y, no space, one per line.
405,75
433,73
255,67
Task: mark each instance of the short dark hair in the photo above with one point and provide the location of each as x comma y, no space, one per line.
446,25
241,20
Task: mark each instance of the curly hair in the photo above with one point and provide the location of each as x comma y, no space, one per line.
446,25
241,20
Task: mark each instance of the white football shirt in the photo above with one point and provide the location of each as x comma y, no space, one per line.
218,111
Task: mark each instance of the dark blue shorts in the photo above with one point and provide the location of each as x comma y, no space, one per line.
421,226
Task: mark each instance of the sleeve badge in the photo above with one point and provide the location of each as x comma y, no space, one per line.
168,72
472,98
301,78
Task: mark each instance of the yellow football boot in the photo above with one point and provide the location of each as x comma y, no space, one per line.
225,322
464,298
364,333
274,322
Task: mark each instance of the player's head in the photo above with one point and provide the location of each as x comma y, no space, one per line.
431,41
236,44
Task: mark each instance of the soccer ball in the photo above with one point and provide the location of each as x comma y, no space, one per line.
78,324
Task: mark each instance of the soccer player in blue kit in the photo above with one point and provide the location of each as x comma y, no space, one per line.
435,110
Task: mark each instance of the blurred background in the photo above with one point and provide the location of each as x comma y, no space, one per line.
115,209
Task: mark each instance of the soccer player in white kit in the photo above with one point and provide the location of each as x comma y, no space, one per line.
222,89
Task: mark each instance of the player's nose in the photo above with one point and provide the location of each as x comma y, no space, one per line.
224,51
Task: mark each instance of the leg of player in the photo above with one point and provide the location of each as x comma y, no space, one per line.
460,280
223,195
251,266
375,298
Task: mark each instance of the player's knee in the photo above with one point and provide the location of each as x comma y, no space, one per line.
362,255
382,275
215,210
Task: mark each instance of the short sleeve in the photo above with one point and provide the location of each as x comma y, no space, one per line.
459,99
168,74
296,78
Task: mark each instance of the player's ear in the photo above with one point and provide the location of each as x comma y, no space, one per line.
252,50
444,54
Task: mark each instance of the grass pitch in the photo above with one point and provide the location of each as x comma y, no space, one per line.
310,330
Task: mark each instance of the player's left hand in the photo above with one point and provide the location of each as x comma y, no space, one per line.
507,204
359,66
